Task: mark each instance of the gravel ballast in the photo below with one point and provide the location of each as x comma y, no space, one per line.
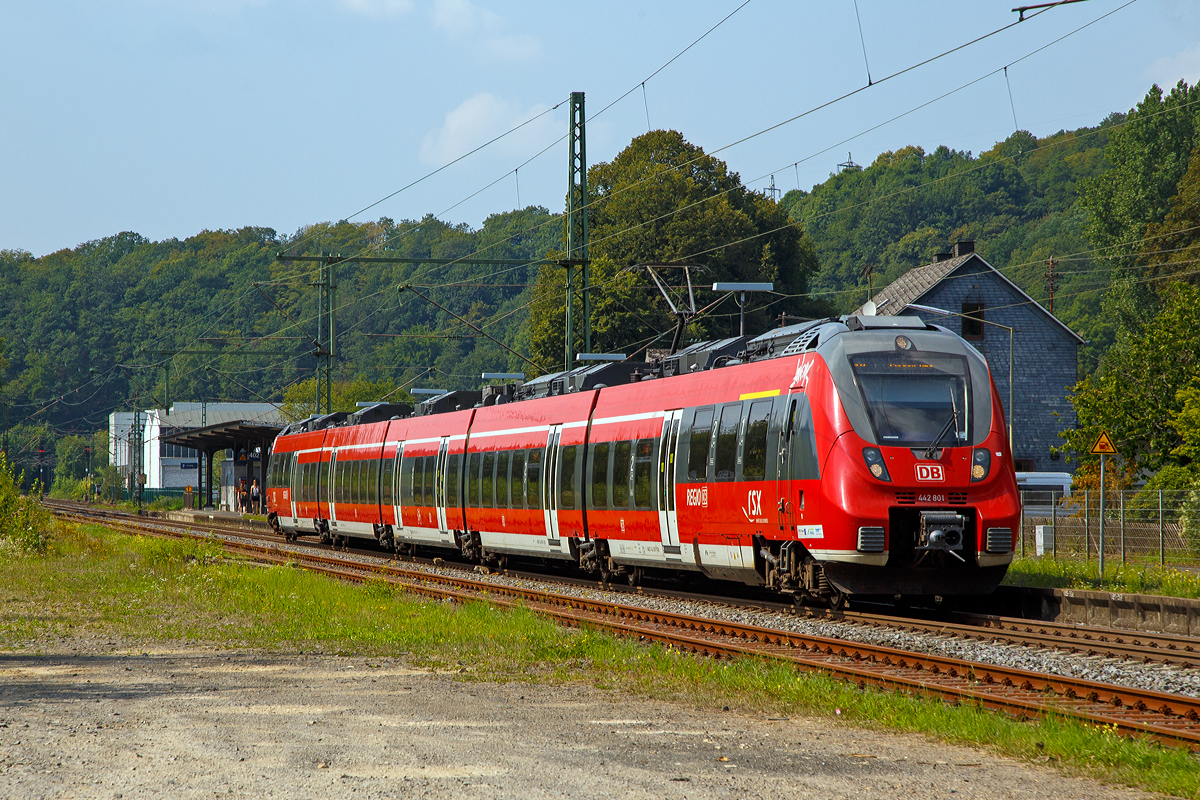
1121,672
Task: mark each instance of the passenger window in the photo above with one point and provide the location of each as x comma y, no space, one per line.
502,480
385,481
473,468
453,467
726,461
600,475
642,473
698,450
622,453
534,478
566,484
488,484
415,482
754,448
430,482
518,479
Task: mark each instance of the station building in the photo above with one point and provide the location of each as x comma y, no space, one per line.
175,444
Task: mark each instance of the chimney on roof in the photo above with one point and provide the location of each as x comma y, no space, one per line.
964,248
942,257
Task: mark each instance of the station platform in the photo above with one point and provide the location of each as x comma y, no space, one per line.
249,522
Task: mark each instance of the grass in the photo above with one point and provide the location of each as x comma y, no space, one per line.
92,579
1132,578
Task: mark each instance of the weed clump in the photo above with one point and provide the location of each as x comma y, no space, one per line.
25,527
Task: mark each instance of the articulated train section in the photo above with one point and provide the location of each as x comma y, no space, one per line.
861,455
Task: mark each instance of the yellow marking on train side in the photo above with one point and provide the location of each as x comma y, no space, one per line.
756,395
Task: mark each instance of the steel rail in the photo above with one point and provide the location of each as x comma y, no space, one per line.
1140,646
1173,720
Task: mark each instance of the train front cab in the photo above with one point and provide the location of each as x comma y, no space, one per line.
918,489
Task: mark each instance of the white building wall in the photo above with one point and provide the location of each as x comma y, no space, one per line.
120,427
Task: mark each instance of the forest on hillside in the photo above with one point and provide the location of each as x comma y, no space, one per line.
119,322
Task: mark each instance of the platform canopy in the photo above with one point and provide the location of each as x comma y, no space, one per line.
224,435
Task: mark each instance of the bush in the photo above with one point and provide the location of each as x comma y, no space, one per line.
1190,517
24,525
69,489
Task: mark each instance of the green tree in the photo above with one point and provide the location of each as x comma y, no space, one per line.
71,458
1140,394
300,399
1149,156
1172,247
663,199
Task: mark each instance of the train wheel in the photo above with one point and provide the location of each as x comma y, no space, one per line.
837,600
635,576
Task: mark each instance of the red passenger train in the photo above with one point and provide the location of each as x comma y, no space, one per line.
860,455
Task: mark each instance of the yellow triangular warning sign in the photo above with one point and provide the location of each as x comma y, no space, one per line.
1103,446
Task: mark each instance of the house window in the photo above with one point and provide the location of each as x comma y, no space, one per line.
972,320
1022,465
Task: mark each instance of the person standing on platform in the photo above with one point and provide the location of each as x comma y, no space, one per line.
255,498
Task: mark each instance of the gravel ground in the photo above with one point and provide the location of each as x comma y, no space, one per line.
1121,672
106,718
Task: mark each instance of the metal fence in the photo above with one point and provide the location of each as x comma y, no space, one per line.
1144,526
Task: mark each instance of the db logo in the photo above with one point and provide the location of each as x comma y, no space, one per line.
930,472
698,497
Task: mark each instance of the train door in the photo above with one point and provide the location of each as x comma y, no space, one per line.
788,499
397,496
668,519
332,491
550,485
293,483
439,490
324,488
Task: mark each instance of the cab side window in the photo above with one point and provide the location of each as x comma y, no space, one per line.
754,447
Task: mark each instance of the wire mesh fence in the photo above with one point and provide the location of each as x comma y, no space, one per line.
1160,526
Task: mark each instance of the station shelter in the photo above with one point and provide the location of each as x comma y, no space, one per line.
250,444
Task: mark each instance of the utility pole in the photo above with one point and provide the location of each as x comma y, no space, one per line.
1050,281
867,272
327,330
135,460
577,231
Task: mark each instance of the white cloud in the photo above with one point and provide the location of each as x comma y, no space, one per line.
461,17
482,118
1167,71
513,48
379,8
462,20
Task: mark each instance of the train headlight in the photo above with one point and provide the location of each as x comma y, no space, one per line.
981,464
875,464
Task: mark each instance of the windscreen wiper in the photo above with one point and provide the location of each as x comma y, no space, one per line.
929,451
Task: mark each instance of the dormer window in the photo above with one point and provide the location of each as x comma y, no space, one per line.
972,320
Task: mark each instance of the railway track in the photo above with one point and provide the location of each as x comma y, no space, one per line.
1171,719
1089,641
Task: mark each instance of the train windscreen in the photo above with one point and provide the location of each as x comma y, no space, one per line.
916,399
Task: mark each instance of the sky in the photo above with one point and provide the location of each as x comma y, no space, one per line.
168,117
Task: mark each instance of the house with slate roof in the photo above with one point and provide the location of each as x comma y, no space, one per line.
1045,351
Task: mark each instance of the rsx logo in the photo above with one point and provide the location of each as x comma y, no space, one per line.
930,472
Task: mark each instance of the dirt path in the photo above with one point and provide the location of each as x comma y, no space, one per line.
93,718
